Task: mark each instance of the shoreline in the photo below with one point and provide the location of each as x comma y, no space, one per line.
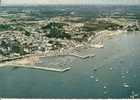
29,60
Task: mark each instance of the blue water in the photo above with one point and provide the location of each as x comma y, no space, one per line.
117,64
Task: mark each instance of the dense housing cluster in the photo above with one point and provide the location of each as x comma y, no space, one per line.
20,35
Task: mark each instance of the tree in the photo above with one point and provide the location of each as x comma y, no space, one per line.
56,30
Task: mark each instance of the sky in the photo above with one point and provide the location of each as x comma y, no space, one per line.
39,2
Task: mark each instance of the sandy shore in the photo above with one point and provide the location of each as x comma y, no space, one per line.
31,60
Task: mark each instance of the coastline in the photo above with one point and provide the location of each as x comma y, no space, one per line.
29,61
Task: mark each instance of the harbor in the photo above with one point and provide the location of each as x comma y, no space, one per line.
116,77
69,51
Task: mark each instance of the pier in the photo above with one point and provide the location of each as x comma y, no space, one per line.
36,67
76,55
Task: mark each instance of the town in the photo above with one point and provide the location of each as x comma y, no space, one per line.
20,35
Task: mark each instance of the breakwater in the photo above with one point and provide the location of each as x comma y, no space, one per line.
37,67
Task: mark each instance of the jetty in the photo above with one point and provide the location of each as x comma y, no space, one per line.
36,67
75,55
83,56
